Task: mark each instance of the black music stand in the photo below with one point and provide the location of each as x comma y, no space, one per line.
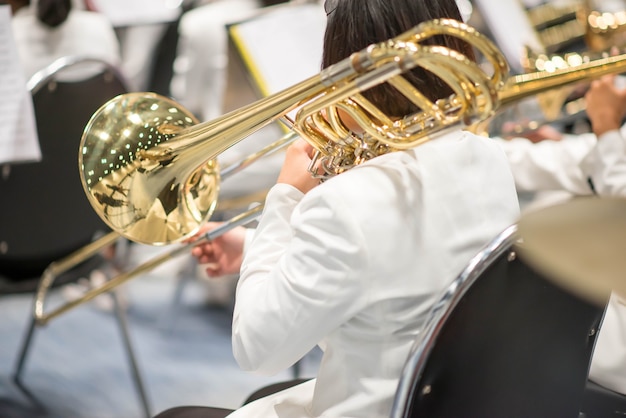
502,342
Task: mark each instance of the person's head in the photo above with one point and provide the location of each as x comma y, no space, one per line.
49,12
53,12
17,4
352,25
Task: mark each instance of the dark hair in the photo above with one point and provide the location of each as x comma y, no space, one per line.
16,4
53,12
355,24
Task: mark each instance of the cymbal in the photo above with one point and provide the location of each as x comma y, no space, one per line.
580,245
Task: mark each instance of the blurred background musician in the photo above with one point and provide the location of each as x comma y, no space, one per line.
45,30
536,36
200,69
605,165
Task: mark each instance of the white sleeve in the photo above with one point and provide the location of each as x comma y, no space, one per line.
298,279
605,164
549,165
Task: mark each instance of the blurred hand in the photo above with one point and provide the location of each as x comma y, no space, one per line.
543,133
606,105
295,168
223,255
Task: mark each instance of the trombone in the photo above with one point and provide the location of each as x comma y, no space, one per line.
55,269
150,170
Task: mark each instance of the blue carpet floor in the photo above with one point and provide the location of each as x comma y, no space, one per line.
77,366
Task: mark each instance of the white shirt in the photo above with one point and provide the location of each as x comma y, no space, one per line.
549,165
548,172
84,33
605,164
200,68
355,266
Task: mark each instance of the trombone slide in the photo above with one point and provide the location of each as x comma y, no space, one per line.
58,267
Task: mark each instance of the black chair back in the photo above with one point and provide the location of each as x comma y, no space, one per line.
502,343
45,212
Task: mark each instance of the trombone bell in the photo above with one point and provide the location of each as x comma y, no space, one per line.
148,200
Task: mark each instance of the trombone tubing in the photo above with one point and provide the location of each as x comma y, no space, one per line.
55,268
525,85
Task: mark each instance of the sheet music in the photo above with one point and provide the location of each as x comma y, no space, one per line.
282,46
18,139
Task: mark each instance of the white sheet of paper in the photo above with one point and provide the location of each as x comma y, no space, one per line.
18,138
511,28
282,46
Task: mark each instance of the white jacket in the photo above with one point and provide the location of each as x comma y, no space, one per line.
356,264
84,33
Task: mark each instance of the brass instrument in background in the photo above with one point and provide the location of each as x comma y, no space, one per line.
557,25
560,26
559,105
603,30
600,32
150,171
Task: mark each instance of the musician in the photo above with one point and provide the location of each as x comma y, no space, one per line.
606,163
354,264
580,165
555,167
50,29
200,69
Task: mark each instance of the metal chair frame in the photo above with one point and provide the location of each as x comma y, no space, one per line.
428,378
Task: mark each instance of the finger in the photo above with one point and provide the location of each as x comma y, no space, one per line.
213,270
200,249
595,84
609,79
205,259
301,146
311,152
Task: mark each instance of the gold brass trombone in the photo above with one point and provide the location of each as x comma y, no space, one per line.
55,269
150,171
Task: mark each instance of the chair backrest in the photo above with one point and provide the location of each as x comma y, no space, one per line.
501,343
45,213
